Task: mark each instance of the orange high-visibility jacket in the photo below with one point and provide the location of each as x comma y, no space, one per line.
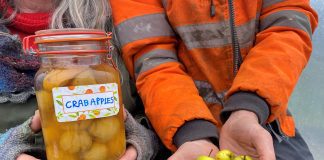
186,57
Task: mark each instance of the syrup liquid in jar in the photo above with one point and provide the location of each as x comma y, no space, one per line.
79,97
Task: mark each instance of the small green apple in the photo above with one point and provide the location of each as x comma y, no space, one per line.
225,155
243,158
205,158
238,158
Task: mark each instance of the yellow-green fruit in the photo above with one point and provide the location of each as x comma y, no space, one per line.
77,141
60,77
46,107
224,155
104,128
205,158
243,158
84,78
105,74
53,153
98,151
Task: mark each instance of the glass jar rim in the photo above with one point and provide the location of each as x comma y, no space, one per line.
54,37
47,31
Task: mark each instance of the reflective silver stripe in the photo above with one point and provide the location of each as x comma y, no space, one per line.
205,35
257,22
207,92
215,34
153,59
287,18
164,2
141,27
267,3
246,33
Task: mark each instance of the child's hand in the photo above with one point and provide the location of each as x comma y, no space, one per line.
243,135
193,149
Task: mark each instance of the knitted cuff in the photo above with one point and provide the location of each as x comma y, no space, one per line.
144,140
246,101
195,130
14,141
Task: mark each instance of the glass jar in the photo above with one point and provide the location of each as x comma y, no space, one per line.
79,96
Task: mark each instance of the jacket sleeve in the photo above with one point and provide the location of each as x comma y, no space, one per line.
271,69
148,48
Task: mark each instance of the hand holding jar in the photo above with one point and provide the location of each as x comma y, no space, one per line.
80,104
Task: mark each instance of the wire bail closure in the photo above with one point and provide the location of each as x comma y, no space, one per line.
32,43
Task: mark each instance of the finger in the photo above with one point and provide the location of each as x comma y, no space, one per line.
125,114
26,157
130,154
176,156
36,122
264,146
194,149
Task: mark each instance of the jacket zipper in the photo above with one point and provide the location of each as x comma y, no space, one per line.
212,14
212,9
280,136
237,57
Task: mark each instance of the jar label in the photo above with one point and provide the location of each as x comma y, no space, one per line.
75,103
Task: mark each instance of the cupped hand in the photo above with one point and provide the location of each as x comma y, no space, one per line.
193,149
243,135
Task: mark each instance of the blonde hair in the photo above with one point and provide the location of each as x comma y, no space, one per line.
94,14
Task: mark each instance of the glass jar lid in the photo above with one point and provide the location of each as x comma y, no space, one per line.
67,41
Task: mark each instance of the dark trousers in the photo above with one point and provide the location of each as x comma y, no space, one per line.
292,149
289,148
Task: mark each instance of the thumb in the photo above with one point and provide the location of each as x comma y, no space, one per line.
264,145
36,122
130,154
26,157
124,113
